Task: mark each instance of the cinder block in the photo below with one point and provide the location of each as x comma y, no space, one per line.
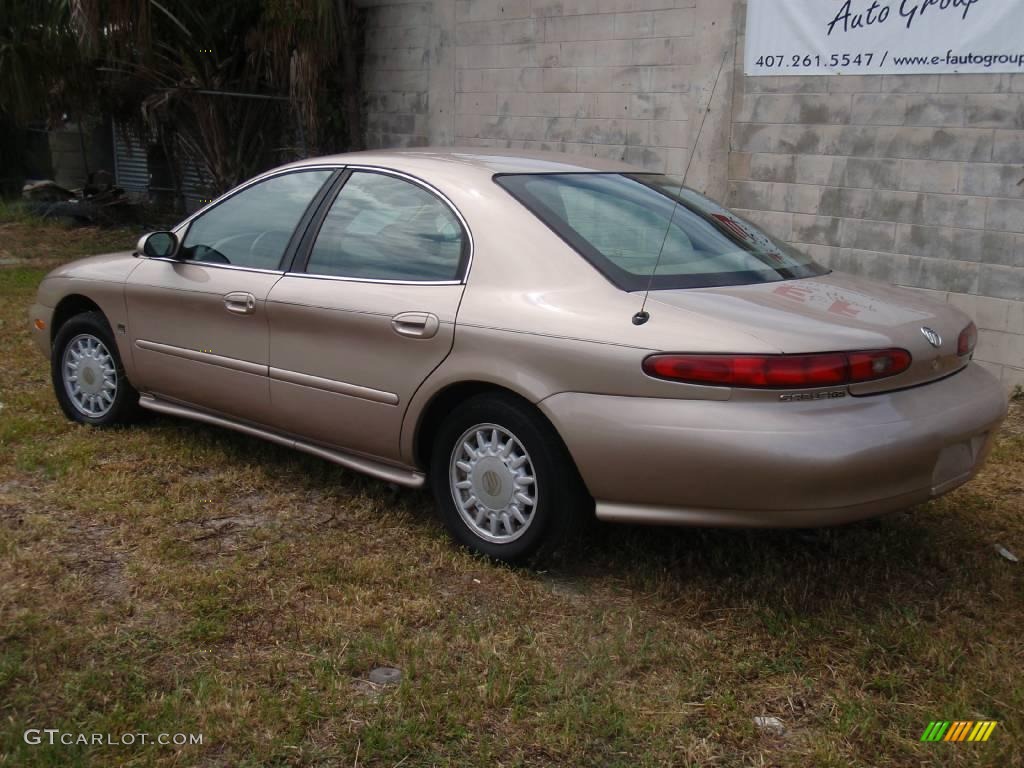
750,195
478,33
476,104
739,166
786,84
868,235
795,198
800,108
929,176
980,83
476,56
995,111
532,104
992,314
577,104
945,275
954,211
1008,147
1001,282
957,244
630,25
877,205
665,50
818,230
935,110
597,27
649,158
560,129
591,53
613,131
613,105
774,223
823,254
561,29
773,167
853,84
869,173
671,79
674,23
1006,215
613,79
823,170
879,109
967,144
910,83
992,180
670,133
559,80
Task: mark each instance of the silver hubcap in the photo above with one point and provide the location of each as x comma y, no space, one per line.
492,483
90,377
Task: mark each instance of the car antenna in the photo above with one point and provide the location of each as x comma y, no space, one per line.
643,315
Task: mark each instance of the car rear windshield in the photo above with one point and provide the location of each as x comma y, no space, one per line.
620,223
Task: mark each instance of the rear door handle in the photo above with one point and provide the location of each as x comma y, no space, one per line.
240,302
416,325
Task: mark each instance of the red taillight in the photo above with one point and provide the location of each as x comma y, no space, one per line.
967,339
779,371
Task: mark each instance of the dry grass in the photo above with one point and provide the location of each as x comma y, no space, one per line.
177,578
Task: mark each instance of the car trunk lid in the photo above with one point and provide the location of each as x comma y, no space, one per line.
837,313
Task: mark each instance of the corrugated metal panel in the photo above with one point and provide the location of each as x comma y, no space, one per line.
131,167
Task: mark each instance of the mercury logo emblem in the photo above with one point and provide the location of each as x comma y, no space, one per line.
492,483
933,336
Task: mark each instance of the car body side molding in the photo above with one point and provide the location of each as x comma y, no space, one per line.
405,477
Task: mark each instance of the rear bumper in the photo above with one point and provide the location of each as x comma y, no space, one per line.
774,464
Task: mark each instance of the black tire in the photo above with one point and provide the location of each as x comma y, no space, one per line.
125,406
561,500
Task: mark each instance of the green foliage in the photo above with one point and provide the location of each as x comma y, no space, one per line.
234,87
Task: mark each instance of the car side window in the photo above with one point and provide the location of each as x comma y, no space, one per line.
253,227
384,228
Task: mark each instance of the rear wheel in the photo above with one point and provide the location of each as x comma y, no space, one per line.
88,377
503,481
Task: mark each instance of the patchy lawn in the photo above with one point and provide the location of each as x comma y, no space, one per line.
176,578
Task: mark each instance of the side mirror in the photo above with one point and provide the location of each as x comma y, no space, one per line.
158,245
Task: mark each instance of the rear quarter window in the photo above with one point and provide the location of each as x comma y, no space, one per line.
631,227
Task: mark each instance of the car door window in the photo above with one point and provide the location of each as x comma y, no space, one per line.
384,228
252,228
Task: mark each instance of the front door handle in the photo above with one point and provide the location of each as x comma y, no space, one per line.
416,325
240,302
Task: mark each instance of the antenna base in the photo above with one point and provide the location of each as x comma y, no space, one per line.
641,317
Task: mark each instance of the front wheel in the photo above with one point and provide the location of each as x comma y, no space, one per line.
503,481
88,377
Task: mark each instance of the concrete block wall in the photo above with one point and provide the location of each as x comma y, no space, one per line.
396,73
913,180
607,79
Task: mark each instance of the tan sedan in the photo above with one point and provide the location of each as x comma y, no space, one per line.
480,322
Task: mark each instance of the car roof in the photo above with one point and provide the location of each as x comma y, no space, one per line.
491,161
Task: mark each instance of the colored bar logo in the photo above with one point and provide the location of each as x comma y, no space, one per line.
959,730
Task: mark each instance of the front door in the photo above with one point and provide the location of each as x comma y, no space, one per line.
368,314
198,322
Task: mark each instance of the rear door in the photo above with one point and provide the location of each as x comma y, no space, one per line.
368,312
198,322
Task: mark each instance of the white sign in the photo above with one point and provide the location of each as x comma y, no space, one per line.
883,37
